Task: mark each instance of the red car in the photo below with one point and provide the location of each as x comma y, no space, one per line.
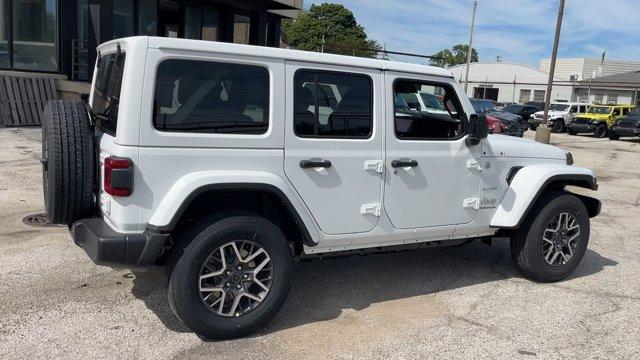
495,125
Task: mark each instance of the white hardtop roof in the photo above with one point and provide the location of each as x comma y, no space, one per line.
285,54
567,103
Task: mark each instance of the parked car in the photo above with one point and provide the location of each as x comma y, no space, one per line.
212,159
495,125
522,110
627,126
598,119
538,104
511,122
560,115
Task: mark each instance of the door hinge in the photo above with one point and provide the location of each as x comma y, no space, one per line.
474,164
375,165
471,203
373,209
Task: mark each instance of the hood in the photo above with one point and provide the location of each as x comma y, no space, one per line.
552,113
515,147
593,116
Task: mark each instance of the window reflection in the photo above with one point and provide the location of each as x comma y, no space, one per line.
35,31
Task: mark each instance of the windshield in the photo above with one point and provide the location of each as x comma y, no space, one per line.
431,101
599,110
559,107
513,108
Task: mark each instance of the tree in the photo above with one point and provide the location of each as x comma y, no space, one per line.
456,56
331,27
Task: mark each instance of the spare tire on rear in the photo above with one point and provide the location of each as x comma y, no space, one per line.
67,162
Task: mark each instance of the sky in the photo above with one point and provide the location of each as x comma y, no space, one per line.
519,31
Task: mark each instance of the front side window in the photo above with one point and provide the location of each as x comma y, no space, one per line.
211,97
603,110
437,116
106,92
328,104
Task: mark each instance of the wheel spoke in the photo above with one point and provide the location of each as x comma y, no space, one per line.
228,290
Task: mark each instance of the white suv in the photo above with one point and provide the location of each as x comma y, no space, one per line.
560,115
217,161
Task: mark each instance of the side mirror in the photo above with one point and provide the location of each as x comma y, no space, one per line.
478,129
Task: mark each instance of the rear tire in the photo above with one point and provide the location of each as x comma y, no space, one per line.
614,137
600,131
534,244
186,292
67,162
571,132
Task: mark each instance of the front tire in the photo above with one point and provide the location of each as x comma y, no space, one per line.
600,131
553,238
232,277
558,126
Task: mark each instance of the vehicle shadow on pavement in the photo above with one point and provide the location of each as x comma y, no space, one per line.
323,288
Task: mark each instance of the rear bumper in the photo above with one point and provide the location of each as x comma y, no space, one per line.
105,246
625,131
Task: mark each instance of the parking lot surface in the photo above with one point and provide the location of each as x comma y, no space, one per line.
462,302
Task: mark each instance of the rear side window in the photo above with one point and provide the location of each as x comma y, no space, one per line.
332,105
211,97
106,94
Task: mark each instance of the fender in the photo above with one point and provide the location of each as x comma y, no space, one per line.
189,186
530,182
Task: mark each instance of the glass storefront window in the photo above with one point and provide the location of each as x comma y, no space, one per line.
241,29
147,17
192,22
35,33
122,18
211,25
4,34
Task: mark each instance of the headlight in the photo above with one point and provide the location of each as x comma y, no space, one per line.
569,159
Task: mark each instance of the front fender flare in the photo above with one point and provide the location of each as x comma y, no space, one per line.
529,183
191,185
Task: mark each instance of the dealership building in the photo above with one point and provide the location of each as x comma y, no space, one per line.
56,39
580,80
507,82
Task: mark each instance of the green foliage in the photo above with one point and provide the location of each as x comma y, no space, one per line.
454,56
336,24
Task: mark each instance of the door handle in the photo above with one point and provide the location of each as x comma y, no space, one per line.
404,163
308,164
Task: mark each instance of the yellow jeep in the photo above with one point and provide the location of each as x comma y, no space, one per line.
598,119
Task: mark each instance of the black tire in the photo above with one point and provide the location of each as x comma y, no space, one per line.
67,162
208,236
613,136
527,243
558,126
600,131
571,132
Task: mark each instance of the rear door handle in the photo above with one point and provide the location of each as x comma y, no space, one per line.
308,164
404,163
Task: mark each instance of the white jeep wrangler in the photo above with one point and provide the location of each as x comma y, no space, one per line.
214,160
560,115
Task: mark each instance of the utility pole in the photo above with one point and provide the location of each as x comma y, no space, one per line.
542,132
470,50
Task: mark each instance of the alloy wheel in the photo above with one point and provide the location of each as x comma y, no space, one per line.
236,278
560,239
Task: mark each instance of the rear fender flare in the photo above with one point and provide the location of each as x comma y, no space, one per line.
189,186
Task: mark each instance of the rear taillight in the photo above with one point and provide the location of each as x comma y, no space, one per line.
118,176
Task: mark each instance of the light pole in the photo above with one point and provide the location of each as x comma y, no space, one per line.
542,132
470,49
